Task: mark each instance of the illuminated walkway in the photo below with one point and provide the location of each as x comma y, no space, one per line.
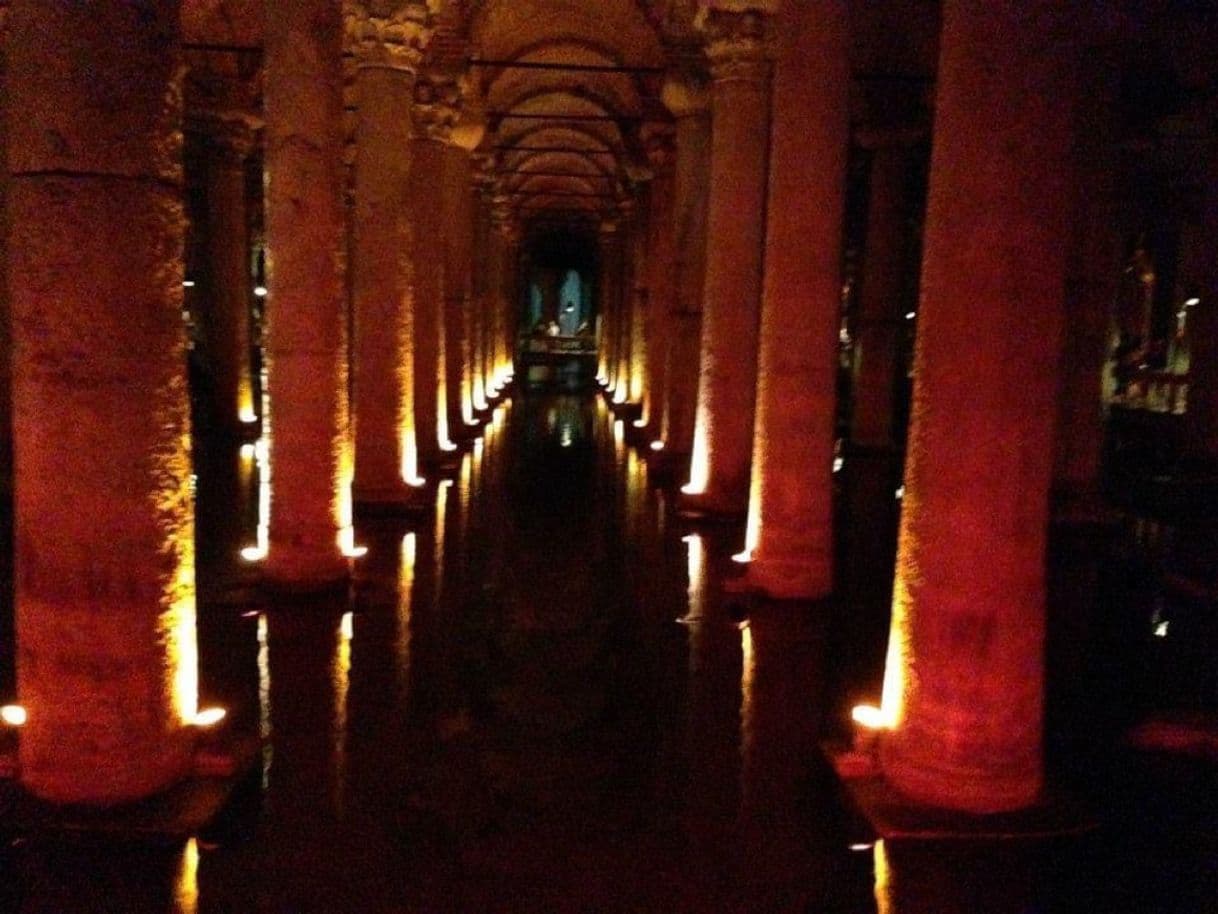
540,700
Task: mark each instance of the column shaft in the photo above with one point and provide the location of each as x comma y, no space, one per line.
310,451
386,439
458,221
660,275
691,188
426,205
640,306
727,390
790,531
965,674
105,593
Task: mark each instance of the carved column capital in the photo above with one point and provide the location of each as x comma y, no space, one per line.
736,45
391,34
437,106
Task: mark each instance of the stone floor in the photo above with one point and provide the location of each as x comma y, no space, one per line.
539,698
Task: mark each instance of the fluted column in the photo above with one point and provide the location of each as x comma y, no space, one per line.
689,104
388,44
311,459
965,672
790,524
660,279
727,388
105,592
880,321
435,114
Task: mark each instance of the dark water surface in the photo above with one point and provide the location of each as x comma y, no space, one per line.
539,699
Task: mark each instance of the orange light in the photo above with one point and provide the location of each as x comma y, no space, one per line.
13,715
657,445
870,717
209,717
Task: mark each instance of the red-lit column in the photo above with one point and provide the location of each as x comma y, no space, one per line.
512,290
640,306
965,674
790,529
727,385
879,325
660,284
105,593
224,321
689,105
388,47
435,113
311,459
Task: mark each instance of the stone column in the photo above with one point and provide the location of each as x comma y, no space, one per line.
640,305
511,294
880,321
479,280
625,298
311,459
388,44
727,387
458,248
105,593
790,524
689,104
435,114
965,672
500,276
1200,267
660,278
224,321
610,301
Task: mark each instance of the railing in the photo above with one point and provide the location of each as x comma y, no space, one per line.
1154,390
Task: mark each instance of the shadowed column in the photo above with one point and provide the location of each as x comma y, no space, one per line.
790,531
727,386
965,673
105,591
310,450
689,105
660,285
388,49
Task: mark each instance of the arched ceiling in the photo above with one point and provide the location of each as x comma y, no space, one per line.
566,85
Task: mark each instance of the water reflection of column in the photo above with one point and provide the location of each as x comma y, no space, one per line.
404,607
340,673
922,878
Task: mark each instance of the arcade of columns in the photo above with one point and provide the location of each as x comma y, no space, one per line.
391,319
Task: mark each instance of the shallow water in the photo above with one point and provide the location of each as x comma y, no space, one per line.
539,698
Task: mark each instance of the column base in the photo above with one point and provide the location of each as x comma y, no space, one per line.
710,507
787,579
892,815
390,501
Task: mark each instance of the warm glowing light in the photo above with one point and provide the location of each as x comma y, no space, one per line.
743,557
838,463
699,463
346,626
13,715
253,553
264,700
186,881
696,570
884,902
899,493
910,315
188,284
258,551
619,395
260,291
209,717
247,415
1161,630
639,423
1192,302
657,445
860,846
870,717
247,452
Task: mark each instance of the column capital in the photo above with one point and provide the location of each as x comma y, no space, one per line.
737,45
659,145
437,105
685,94
390,35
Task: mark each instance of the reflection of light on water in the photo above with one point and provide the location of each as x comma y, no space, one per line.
258,551
699,464
405,598
883,880
696,568
264,701
186,880
342,682
441,525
